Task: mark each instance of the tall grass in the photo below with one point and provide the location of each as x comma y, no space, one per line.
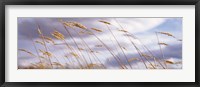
83,56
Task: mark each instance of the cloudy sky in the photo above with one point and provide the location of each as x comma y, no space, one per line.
142,31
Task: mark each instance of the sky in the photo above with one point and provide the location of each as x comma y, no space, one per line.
142,28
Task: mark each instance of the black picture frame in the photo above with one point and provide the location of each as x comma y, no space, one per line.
97,2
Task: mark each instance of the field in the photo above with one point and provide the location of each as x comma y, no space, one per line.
99,43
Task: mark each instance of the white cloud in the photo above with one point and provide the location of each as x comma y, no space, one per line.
136,25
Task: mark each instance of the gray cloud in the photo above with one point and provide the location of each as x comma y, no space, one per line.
27,27
172,51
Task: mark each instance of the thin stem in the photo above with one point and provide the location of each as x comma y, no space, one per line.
160,48
45,47
76,45
133,45
116,58
89,49
119,46
72,50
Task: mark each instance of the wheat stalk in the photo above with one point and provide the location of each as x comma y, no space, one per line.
40,33
163,44
119,45
105,22
132,59
160,45
39,42
134,46
98,30
26,52
86,45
